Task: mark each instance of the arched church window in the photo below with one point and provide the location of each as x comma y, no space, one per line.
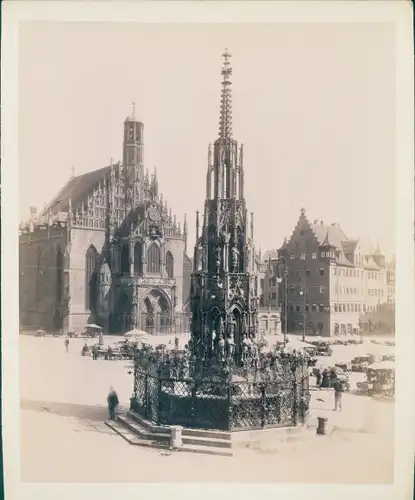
91,258
138,266
125,259
59,274
169,265
153,259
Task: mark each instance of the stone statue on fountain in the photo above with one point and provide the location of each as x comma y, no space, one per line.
235,258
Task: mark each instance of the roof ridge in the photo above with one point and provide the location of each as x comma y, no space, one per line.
56,197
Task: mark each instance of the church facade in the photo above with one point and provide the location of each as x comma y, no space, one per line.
106,250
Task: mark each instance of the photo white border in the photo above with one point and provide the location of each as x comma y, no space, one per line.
395,11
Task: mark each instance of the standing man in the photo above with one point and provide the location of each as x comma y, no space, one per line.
338,390
67,344
113,402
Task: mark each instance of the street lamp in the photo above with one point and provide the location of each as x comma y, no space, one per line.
304,292
279,280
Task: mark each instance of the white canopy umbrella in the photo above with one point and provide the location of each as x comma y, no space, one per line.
93,326
136,334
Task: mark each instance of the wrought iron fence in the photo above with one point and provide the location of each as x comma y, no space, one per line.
217,404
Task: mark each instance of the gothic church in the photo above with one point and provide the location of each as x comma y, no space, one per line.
106,250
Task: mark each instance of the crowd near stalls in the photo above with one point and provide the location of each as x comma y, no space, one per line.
123,349
378,369
380,379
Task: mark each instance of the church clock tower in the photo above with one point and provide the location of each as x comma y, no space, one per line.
133,159
224,294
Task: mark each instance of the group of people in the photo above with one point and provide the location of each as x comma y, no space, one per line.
328,378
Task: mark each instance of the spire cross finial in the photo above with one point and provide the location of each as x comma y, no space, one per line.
226,69
225,120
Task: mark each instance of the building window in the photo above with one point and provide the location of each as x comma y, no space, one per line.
314,256
335,307
308,272
274,295
91,260
307,307
291,307
292,256
125,259
322,254
321,308
297,308
321,272
314,307
138,257
153,259
302,256
322,289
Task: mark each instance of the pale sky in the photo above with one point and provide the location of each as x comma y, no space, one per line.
314,106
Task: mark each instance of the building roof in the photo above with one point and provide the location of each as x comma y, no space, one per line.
370,263
329,234
349,246
270,255
76,189
132,117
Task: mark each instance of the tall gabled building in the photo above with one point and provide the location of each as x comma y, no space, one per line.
224,281
107,250
336,285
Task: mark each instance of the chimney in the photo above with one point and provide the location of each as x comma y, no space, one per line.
322,222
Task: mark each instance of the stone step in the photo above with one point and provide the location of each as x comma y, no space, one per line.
187,431
120,428
128,436
141,432
205,441
146,424
206,433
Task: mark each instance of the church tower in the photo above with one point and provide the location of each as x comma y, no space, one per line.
224,295
133,159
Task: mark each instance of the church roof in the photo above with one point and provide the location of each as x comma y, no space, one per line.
329,234
76,189
132,117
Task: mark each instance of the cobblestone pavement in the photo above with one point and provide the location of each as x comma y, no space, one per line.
64,438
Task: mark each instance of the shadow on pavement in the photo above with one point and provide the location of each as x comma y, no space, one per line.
94,413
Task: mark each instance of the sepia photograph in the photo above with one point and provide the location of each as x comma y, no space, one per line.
207,251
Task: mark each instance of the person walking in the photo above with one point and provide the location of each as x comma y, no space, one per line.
338,391
318,378
67,345
113,402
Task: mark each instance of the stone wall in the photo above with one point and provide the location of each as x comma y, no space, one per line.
39,300
81,240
